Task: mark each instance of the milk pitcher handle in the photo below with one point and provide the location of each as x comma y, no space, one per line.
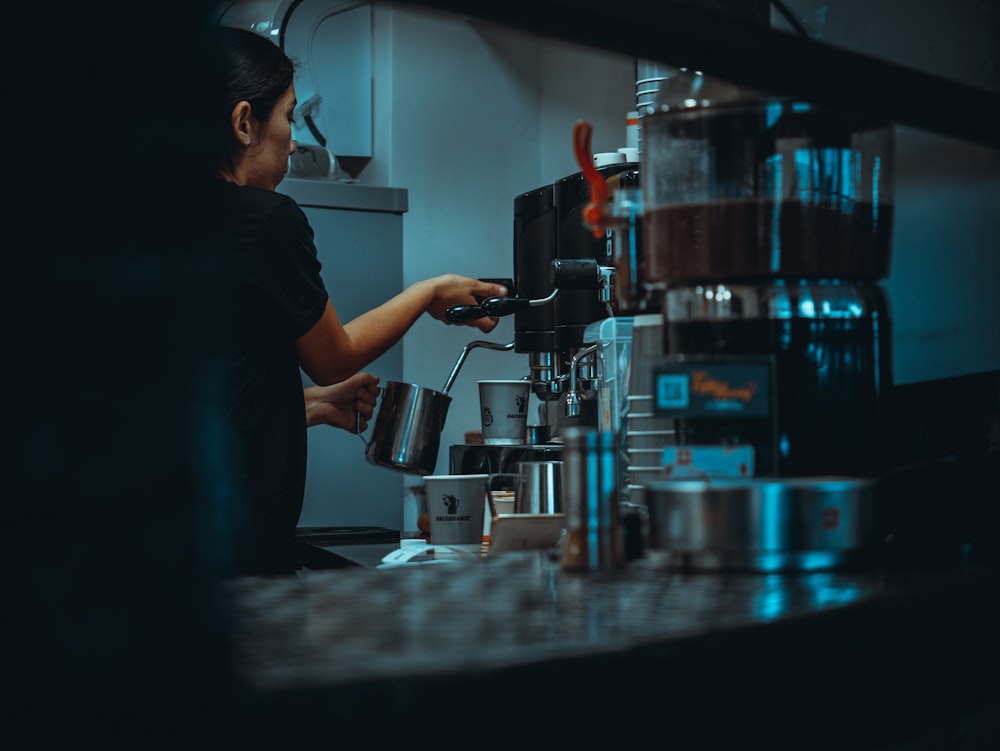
357,417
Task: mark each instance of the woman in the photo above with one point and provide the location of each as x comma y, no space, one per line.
281,318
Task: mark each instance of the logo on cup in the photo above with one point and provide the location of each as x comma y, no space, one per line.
451,504
522,404
487,417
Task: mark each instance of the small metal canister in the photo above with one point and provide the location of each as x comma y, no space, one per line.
590,499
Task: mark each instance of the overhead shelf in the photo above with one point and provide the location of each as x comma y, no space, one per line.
355,196
675,33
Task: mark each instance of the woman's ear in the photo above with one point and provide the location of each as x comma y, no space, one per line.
240,119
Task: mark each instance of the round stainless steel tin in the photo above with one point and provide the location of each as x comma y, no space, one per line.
763,524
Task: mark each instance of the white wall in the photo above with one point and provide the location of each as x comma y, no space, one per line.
467,116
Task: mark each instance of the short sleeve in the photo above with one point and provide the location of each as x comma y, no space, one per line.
291,268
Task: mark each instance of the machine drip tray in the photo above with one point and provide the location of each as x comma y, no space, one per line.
477,458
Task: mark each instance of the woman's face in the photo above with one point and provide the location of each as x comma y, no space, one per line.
267,157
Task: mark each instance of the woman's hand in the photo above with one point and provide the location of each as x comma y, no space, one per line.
340,404
452,289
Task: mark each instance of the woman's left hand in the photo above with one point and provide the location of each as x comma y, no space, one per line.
341,404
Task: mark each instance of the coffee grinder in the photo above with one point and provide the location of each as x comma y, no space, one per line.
766,226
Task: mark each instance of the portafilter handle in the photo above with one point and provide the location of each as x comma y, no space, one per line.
469,313
504,306
464,313
495,307
575,273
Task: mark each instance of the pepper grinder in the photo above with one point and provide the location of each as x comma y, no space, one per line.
590,484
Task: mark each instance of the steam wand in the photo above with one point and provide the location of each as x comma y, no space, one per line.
572,397
465,353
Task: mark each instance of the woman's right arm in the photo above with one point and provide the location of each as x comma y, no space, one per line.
331,351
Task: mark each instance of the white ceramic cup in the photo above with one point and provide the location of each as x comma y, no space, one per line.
455,507
503,409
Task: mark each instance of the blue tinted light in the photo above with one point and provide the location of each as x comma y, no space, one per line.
875,177
772,113
775,167
833,595
770,522
772,602
817,560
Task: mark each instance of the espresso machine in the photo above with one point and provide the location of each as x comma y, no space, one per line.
558,258
563,287
766,227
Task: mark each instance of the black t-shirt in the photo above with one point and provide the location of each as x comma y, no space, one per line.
267,254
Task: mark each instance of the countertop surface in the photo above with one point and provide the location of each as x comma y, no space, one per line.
353,643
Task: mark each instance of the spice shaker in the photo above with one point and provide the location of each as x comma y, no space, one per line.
590,498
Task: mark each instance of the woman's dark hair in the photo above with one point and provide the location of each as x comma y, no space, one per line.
243,65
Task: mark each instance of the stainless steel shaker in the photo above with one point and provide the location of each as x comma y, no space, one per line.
590,498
